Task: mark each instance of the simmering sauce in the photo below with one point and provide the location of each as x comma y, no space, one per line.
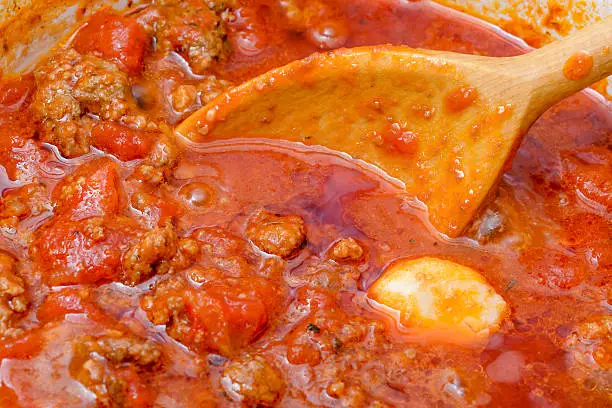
141,270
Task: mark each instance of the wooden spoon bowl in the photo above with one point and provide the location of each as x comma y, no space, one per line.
444,124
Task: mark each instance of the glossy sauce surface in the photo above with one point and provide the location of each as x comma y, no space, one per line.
295,329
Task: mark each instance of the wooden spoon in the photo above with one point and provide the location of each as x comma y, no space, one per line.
444,124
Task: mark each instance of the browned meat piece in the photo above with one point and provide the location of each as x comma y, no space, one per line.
111,367
23,202
188,27
253,381
187,253
589,348
69,87
118,348
324,24
111,390
183,97
154,171
165,305
155,247
490,226
165,152
327,330
188,97
70,83
280,235
12,296
346,250
150,207
210,87
149,174
590,343
302,14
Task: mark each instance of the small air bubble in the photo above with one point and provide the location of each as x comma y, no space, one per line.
211,114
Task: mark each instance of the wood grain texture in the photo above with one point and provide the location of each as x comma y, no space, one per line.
388,106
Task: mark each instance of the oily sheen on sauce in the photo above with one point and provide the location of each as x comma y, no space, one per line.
139,269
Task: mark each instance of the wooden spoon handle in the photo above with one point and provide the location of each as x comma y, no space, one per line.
567,66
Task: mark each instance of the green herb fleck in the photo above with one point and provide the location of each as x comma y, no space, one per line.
337,344
313,328
411,240
511,284
435,243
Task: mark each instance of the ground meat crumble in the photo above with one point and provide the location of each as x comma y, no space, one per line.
13,302
253,381
111,366
346,250
191,28
23,202
71,86
156,250
76,91
280,235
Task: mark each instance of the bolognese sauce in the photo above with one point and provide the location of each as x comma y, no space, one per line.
138,269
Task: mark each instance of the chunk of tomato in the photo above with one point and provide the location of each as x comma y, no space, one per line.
121,141
399,139
8,397
66,301
90,190
157,210
234,312
115,38
554,269
460,99
23,347
585,228
16,120
16,93
71,252
590,174
137,394
221,316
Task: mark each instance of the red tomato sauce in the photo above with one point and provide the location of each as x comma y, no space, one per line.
578,66
140,270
